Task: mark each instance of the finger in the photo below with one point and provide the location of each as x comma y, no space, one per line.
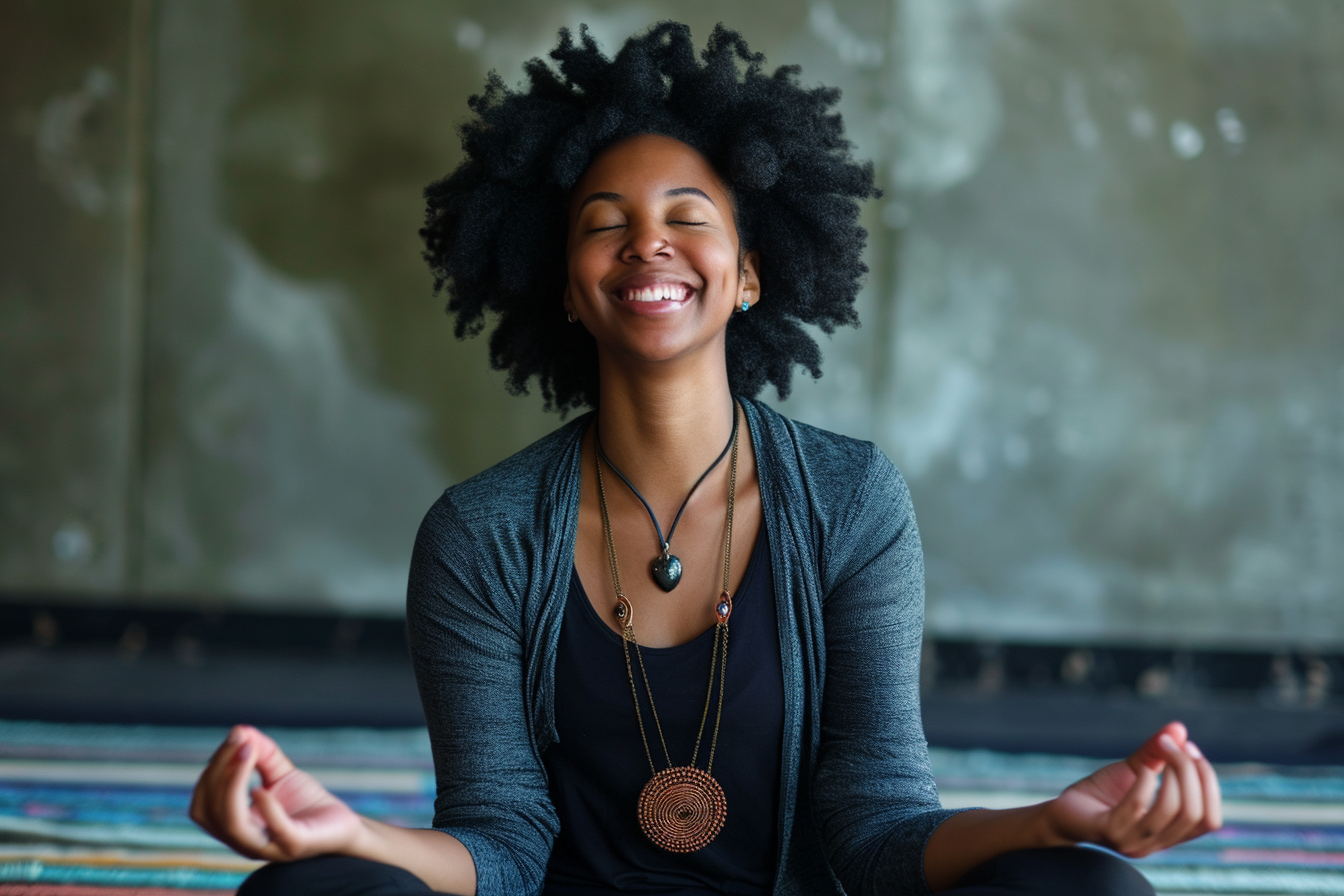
1211,789
228,743
272,763
284,836
225,752
1159,816
1136,841
1190,813
210,794
1152,754
1131,808
195,808
240,829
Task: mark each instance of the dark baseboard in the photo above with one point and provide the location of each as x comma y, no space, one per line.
131,666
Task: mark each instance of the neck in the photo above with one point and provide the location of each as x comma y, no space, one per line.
663,434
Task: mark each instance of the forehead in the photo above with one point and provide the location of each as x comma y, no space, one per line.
648,165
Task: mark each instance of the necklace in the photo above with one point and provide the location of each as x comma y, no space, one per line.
666,568
681,808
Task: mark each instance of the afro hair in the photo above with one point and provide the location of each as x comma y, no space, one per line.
495,229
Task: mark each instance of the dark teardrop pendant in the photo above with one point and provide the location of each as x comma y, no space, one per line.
667,571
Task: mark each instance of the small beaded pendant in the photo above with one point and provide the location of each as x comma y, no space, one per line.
625,614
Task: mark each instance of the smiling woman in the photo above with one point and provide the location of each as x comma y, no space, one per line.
591,733
656,267
495,232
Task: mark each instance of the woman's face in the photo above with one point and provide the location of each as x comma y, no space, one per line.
654,271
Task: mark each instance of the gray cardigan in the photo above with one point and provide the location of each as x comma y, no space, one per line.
489,579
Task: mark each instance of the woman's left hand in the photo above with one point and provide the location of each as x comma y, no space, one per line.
1122,807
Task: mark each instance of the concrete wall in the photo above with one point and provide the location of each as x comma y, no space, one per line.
1103,338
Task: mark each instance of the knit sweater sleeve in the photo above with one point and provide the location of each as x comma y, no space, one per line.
875,800
468,648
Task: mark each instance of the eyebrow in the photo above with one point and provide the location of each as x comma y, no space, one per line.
617,197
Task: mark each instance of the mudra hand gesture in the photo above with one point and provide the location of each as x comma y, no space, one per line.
1122,806
290,816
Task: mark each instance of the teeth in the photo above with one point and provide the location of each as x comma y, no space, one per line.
658,292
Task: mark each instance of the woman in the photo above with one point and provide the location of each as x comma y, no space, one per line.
651,232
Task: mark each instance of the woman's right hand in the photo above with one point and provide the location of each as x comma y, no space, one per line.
290,816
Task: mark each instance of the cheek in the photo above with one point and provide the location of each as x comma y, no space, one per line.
585,269
724,258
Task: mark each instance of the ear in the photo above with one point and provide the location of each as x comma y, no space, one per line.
749,280
567,302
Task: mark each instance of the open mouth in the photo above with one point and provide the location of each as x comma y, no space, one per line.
656,292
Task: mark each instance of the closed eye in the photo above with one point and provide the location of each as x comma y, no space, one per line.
619,226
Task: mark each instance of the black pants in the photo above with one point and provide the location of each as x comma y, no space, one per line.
1064,871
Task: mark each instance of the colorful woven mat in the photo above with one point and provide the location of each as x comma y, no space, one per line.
100,810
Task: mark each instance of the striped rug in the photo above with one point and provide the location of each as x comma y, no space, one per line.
100,810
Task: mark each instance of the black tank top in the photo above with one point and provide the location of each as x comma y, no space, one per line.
598,767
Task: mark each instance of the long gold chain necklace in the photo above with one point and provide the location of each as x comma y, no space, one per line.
682,808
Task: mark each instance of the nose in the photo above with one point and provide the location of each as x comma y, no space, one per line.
647,238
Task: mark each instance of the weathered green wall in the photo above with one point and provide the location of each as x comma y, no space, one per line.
1103,339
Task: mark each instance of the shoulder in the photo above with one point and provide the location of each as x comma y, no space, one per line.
829,469
514,487
491,520
854,501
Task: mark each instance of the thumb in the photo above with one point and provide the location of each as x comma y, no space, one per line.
1151,755
272,763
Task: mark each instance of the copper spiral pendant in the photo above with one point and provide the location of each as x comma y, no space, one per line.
682,809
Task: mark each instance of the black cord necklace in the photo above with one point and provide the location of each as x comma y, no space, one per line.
666,568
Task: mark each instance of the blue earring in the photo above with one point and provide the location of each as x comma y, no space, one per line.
745,304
